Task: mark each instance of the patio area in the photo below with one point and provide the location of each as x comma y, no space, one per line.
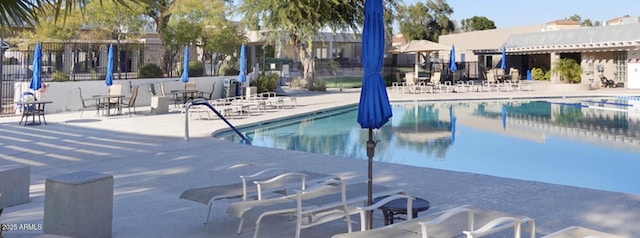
152,163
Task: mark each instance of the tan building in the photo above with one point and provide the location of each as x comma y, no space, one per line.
623,20
488,41
614,48
561,25
338,46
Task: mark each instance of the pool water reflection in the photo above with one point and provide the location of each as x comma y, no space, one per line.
560,142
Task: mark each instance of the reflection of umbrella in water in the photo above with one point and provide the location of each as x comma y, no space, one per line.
374,109
453,129
504,117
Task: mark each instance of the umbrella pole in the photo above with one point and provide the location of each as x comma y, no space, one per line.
371,145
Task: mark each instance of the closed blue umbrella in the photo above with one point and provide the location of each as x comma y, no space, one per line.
108,79
503,65
242,76
374,109
185,66
36,81
452,60
529,77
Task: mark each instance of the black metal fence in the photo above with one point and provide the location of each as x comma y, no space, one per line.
78,61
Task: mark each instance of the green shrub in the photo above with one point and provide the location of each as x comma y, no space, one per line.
540,74
230,72
150,71
59,77
388,80
295,82
547,75
196,69
537,74
97,76
229,67
267,83
318,84
324,67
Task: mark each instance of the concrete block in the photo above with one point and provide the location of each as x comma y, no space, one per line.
79,204
159,104
14,184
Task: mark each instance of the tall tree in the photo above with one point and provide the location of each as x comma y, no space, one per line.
189,13
442,13
109,20
48,28
207,25
575,17
477,23
299,21
583,22
426,21
415,22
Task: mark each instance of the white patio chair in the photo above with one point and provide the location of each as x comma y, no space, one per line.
409,83
460,221
254,185
323,203
577,231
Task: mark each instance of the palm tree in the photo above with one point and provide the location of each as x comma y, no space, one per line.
568,70
26,12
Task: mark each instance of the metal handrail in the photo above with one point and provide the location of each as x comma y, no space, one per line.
200,101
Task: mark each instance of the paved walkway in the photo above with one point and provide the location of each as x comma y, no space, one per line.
152,164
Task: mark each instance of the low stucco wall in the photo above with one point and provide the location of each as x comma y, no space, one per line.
65,95
566,87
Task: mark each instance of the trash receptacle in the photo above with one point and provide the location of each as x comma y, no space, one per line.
229,88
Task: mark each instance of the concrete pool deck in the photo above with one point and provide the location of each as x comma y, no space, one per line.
152,164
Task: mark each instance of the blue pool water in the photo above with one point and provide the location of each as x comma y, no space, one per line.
578,142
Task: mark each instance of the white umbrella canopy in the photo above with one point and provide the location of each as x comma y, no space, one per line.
419,46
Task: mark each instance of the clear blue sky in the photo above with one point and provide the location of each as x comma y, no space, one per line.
511,13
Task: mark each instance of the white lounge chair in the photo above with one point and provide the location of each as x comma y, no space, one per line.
465,220
323,203
438,85
254,185
577,231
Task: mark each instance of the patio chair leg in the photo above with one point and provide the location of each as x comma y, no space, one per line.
240,227
208,214
257,228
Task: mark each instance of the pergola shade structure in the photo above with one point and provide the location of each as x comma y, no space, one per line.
418,47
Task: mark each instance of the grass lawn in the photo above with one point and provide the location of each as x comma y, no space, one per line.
347,82
350,82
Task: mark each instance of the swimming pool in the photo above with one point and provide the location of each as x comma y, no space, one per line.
578,142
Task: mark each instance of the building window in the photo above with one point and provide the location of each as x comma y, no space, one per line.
620,61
